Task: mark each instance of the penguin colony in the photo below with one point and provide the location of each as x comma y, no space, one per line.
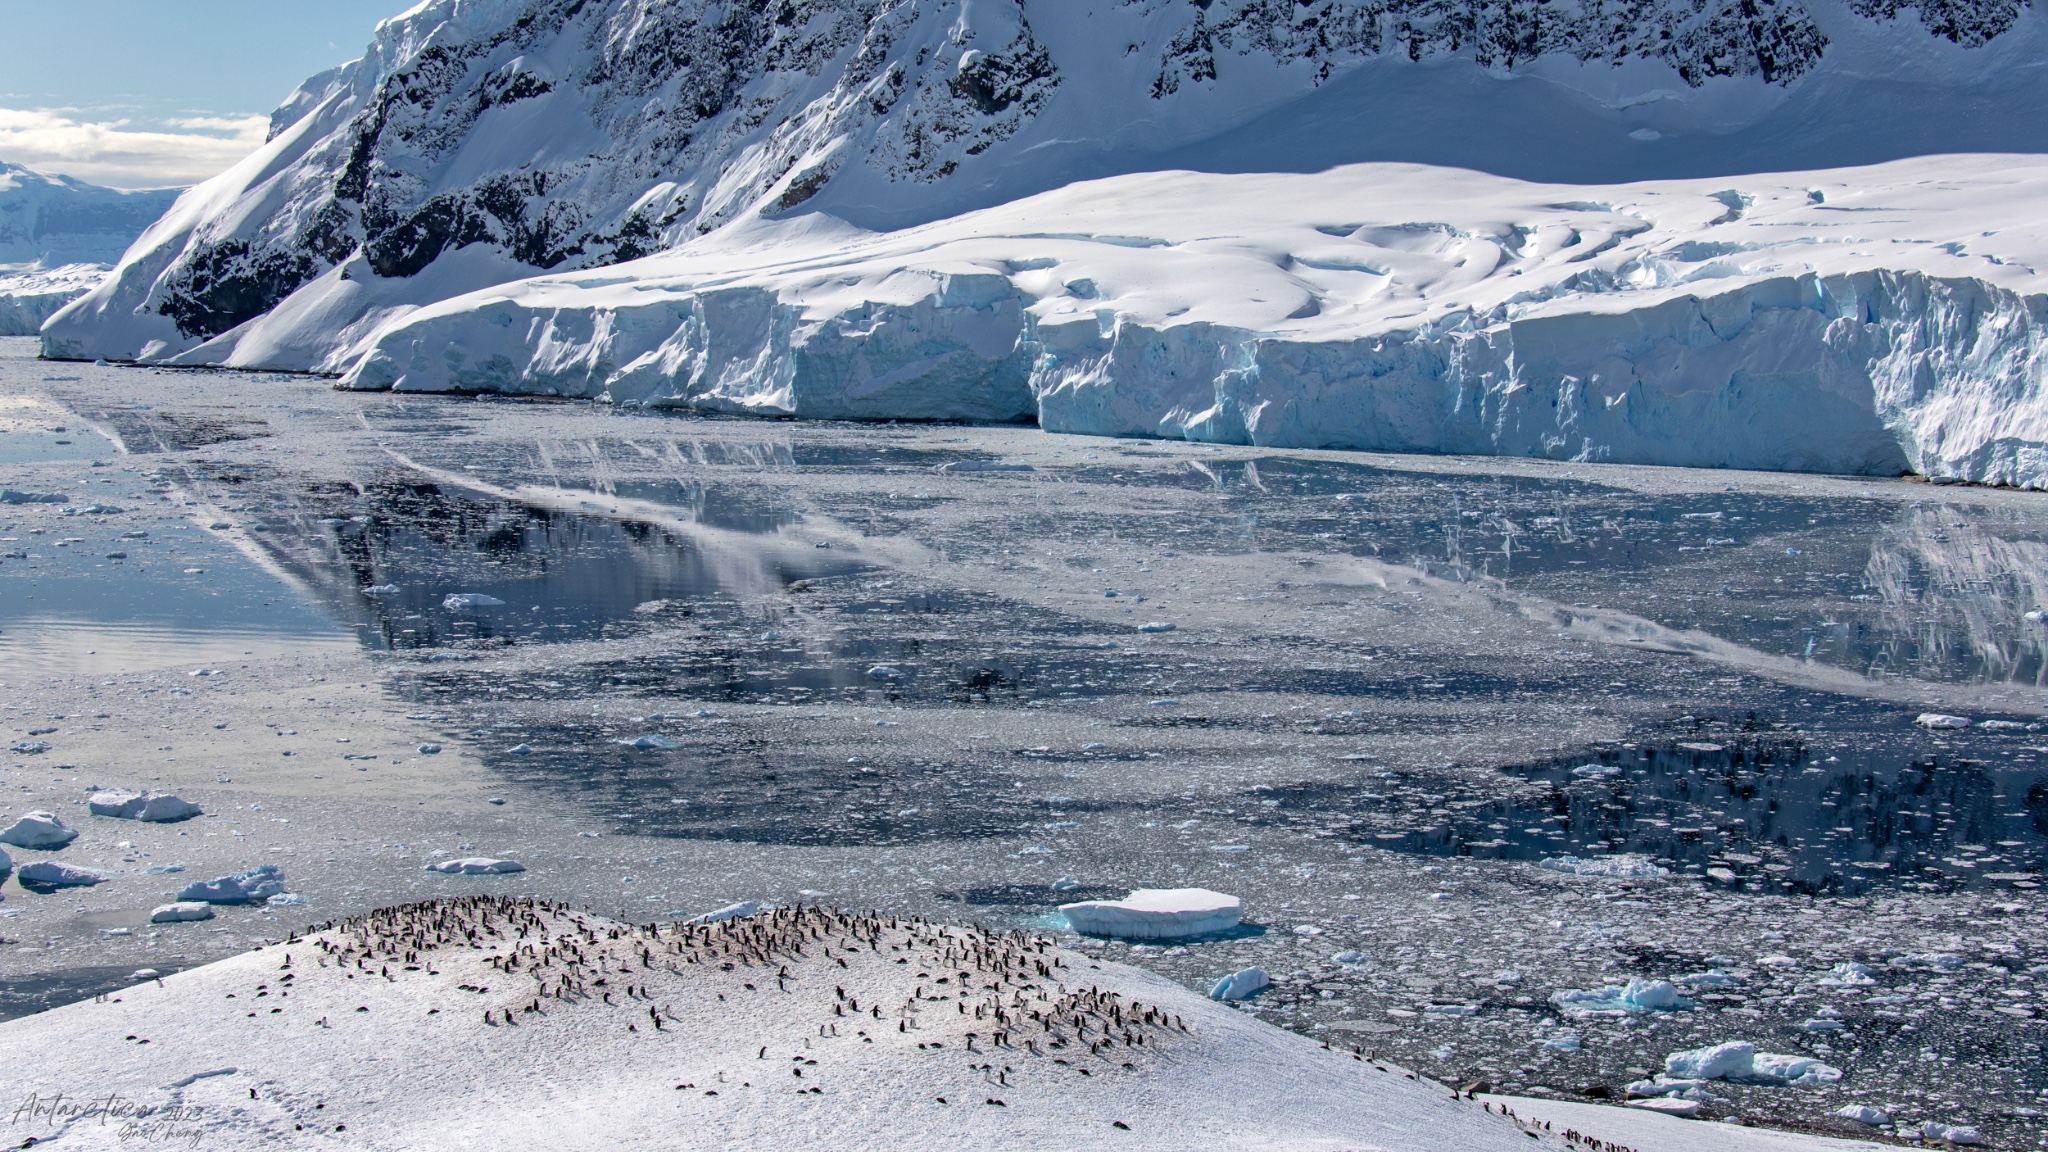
1005,991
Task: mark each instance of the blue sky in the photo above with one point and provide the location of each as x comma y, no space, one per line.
148,93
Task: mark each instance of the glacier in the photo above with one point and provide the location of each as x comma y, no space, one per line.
59,237
1242,221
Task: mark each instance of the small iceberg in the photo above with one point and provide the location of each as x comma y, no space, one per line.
650,742
1156,914
242,888
146,806
1637,996
380,591
1937,720
739,911
181,911
1241,985
476,866
50,874
1613,867
460,601
42,830
1864,1114
1739,1060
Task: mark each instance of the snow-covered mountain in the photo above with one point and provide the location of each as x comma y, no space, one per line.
480,142
52,220
58,238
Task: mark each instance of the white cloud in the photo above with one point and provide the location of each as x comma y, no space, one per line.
119,153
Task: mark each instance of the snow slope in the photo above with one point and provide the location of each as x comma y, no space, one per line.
403,1030
785,153
31,294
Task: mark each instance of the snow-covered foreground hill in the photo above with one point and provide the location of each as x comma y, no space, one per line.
484,1023
1864,320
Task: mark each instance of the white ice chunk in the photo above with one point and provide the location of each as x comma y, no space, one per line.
1932,720
476,866
39,830
149,806
1241,985
1848,974
457,601
739,911
1668,1105
1156,913
1616,867
1953,1133
181,911
1731,1061
381,590
243,888
1638,995
1863,1114
1157,626
650,742
1787,1069
59,875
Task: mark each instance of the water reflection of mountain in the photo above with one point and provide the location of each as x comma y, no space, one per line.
1954,594
386,557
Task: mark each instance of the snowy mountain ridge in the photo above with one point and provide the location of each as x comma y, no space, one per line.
725,205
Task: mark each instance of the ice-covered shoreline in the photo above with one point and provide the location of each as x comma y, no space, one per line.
1867,321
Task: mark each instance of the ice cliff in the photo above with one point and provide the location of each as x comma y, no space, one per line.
1121,217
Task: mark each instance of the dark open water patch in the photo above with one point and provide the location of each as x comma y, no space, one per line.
1761,811
27,995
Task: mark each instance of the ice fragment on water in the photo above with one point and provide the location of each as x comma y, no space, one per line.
243,888
476,866
381,590
1637,996
180,911
1932,720
55,875
1240,985
457,601
885,672
739,911
1617,867
1669,1106
30,747
1863,1114
1157,626
650,742
43,830
1848,974
146,806
1953,1133
1156,913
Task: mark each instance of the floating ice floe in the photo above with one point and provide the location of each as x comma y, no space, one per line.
43,830
180,911
476,866
1348,956
1669,1106
146,806
650,742
1157,626
1953,1133
52,874
1863,1114
520,750
1565,1043
885,672
1777,962
458,601
1739,1060
982,466
31,747
1156,914
15,496
1637,996
242,888
428,749
1614,867
1241,985
739,911
1849,974
1711,978
1939,961
6,864
1932,720
94,510
1065,884
380,591
285,900
1595,771
1452,1009
1822,1024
